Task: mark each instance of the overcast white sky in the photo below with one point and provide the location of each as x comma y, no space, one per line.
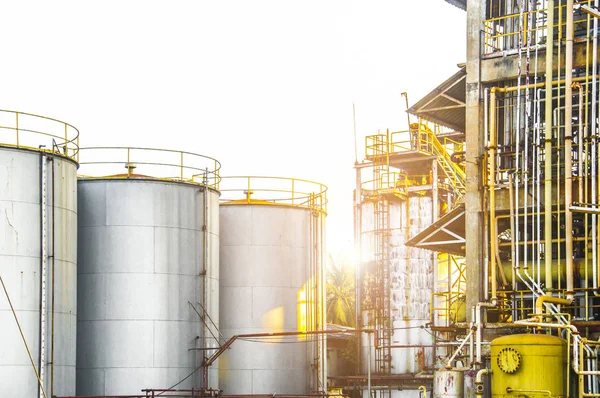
266,87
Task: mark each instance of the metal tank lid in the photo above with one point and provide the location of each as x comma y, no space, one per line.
132,163
274,191
28,131
528,339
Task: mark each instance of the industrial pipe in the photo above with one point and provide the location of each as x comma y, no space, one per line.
492,232
568,150
548,147
449,365
424,389
369,366
593,135
479,380
539,302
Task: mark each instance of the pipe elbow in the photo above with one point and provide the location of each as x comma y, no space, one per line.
539,302
479,380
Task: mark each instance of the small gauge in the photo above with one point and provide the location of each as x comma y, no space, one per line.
509,360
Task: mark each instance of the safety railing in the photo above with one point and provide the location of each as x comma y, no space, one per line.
281,191
445,308
376,145
513,31
391,182
145,163
40,133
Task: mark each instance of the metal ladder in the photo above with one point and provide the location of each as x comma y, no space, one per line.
383,324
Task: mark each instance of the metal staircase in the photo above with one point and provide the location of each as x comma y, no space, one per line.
452,171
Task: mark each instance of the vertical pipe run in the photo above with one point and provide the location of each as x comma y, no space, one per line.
204,274
594,136
53,282
43,266
568,146
369,366
492,182
548,148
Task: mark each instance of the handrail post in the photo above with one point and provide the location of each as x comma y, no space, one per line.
66,141
181,166
293,190
129,168
248,192
17,126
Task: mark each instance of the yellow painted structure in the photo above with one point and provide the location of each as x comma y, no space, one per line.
529,364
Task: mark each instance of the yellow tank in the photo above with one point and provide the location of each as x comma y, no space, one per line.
528,364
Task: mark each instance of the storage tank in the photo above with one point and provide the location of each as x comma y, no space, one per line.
272,251
38,254
411,282
517,364
149,236
448,383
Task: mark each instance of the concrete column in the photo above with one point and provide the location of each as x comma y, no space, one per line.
474,224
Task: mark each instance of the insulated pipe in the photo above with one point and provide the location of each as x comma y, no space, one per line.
568,149
548,147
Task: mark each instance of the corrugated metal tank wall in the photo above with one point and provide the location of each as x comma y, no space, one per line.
20,259
412,282
265,275
141,259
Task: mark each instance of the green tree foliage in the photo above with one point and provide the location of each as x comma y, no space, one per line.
341,295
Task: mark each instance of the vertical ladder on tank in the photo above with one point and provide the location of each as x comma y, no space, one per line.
382,265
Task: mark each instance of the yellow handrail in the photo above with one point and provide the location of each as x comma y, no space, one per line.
40,133
267,190
144,163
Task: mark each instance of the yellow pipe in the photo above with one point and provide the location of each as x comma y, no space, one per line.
539,302
424,389
512,89
492,181
479,380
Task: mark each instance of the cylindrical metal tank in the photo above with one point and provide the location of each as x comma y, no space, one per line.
517,361
148,259
38,255
272,248
412,282
448,383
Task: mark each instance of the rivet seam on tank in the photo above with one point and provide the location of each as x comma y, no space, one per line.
509,360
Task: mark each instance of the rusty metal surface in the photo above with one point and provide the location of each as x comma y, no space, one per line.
448,383
412,276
